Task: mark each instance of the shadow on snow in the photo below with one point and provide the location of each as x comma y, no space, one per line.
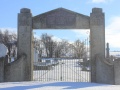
64,85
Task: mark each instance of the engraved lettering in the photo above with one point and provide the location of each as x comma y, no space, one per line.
60,18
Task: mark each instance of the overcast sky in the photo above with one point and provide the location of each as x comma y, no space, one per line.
9,10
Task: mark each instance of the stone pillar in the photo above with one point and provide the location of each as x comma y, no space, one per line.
97,38
25,41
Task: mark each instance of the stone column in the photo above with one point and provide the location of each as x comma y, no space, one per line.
97,38
25,41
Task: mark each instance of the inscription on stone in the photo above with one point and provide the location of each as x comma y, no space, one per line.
61,18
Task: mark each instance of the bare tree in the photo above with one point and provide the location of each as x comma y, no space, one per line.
61,48
49,44
54,48
79,48
1,36
6,38
58,49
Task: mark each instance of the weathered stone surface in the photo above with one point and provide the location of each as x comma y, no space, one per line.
97,38
25,42
25,10
16,71
104,71
57,19
61,18
1,69
117,71
3,50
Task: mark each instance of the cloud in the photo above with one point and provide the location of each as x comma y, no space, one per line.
82,34
101,1
113,32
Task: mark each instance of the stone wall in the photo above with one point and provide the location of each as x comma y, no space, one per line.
104,71
15,71
2,69
117,71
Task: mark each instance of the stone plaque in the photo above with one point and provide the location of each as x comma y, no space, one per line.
61,18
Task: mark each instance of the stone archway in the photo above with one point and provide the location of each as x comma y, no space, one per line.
60,19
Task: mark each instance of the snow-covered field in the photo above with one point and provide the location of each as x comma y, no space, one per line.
56,86
66,70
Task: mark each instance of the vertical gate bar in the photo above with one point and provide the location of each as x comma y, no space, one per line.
67,71
61,72
87,56
59,68
39,61
72,66
89,59
75,70
69,75
41,46
64,66
73,59
86,62
36,63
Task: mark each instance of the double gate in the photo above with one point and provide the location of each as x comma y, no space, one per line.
63,68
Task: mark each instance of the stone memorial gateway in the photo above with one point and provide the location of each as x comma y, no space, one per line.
60,19
22,68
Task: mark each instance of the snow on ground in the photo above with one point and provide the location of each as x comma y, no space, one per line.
56,86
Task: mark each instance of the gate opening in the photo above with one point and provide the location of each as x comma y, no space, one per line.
61,55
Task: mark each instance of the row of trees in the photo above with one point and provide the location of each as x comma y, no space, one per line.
47,46
51,48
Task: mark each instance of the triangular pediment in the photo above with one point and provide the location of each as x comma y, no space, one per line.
59,18
59,11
